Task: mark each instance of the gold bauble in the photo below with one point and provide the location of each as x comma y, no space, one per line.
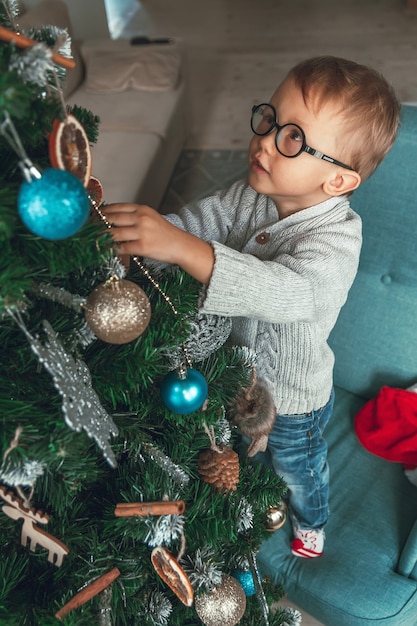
118,311
225,606
276,517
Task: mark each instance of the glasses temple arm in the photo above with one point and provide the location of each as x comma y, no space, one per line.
320,155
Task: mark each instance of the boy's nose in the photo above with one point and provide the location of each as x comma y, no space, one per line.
268,141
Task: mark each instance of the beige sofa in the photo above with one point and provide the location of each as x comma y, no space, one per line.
139,94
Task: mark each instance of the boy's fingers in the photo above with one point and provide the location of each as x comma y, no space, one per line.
121,219
119,207
123,208
120,233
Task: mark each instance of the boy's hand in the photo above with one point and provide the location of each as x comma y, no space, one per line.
142,231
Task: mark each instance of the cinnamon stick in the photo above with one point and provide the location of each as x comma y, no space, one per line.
24,42
143,509
88,592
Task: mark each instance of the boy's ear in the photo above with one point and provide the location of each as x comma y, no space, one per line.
344,182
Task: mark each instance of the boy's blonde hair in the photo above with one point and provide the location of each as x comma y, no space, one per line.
367,102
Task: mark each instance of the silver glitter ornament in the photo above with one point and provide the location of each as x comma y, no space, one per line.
118,311
207,335
159,608
224,606
80,403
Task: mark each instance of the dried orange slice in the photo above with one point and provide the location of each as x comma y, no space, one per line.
171,572
95,191
69,148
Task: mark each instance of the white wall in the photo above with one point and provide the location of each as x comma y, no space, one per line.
88,17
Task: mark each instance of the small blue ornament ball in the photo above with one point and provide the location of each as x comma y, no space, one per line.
184,392
54,206
245,578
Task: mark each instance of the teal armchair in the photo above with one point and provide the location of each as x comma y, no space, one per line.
368,573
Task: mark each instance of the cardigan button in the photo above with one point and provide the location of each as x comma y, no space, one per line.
262,238
386,279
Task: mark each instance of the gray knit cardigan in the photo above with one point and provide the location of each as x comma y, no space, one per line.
282,281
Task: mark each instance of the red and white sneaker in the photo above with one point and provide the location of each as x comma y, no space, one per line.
308,543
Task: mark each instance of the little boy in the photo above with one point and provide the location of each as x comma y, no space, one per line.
279,252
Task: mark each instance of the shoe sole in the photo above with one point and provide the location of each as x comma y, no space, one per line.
307,554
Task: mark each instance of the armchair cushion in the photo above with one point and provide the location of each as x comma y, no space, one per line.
379,348
368,572
373,508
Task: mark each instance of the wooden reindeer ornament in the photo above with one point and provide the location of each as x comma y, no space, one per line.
15,509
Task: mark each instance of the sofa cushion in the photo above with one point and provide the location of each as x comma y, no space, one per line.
114,66
121,184
373,508
147,157
375,338
128,111
55,12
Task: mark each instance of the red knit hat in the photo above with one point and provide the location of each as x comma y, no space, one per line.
387,426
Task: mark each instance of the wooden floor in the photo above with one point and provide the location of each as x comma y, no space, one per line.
237,51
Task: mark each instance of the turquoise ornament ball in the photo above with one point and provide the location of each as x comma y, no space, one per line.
245,578
185,391
54,206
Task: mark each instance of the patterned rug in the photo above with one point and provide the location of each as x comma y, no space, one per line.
198,173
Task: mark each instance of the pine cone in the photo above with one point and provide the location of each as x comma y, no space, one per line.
219,468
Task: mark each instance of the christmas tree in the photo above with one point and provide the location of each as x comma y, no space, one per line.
123,499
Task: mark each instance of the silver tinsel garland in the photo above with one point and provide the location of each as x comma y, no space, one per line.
84,336
22,474
159,609
59,295
244,520
12,10
35,64
164,462
105,612
223,431
203,570
164,530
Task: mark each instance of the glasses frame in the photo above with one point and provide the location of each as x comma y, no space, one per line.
303,148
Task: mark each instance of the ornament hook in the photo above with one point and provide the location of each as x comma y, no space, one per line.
9,132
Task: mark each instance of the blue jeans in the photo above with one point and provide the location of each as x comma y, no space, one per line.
298,453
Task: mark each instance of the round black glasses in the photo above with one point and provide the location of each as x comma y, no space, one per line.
290,139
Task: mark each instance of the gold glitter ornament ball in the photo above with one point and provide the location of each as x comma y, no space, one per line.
118,311
225,606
